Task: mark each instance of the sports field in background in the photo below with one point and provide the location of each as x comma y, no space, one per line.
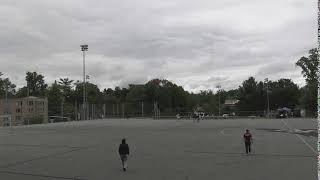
168,149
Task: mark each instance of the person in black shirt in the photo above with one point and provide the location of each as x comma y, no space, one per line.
124,152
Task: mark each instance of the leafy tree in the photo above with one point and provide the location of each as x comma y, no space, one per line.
6,86
55,96
68,100
136,93
309,66
284,93
66,87
152,90
22,92
36,84
108,96
251,96
92,92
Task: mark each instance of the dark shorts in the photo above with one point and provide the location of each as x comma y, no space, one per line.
123,157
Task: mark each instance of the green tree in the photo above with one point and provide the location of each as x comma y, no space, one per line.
68,97
55,96
108,96
251,96
309,66
66,87
6,86
283,93
36,84
92,92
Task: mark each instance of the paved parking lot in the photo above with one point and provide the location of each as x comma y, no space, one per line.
161,150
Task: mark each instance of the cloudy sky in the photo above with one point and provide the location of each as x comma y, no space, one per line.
196,44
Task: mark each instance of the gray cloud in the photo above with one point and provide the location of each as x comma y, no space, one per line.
195,44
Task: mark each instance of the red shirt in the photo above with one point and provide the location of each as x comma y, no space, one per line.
247,137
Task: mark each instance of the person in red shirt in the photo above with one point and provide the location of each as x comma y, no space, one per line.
247,137
124,152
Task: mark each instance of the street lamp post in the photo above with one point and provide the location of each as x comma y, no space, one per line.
84,48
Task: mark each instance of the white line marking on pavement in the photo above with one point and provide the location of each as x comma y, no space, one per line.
222,132
307,144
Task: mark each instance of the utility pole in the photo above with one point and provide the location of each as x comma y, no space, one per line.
112,109
62,108
76,110
84,48
7,106
104,110
267,89
154,109
219,86
123,110
142,108
92,112
117,109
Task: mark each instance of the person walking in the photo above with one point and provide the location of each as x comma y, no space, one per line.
124,152
247,137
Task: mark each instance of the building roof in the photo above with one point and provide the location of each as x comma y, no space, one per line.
231,101
29,97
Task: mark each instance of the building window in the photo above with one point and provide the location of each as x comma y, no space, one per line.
18,118
30,103
18,110
19,103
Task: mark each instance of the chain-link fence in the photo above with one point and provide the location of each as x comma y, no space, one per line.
140,109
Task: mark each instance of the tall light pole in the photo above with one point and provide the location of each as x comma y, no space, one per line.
219,86
84,48
267,89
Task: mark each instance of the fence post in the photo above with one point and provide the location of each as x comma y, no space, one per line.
123,110
112,109
142,108
104,110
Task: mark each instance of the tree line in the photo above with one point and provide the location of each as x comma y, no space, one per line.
168,97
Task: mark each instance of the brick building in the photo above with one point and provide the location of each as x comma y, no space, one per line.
20,111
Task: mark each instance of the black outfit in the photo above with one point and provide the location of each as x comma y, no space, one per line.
248,147
124,149
124,152
247,141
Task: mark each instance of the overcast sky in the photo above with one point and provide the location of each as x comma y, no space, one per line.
197,44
